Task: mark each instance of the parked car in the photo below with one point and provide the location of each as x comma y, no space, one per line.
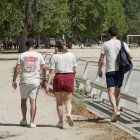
51,42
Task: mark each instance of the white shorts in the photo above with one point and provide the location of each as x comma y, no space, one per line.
29,91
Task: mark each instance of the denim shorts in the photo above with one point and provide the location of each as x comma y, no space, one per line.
114,79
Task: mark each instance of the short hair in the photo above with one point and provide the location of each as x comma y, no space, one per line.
30,42
113,31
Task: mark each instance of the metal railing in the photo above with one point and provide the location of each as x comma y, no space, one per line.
87,77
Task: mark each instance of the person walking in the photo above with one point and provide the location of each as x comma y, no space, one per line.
28,65
114,78
63,66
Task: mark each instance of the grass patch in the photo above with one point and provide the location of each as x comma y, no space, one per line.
78,105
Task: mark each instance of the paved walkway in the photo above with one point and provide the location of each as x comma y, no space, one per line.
79,53
46,118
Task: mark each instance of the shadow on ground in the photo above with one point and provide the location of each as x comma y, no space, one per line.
7,134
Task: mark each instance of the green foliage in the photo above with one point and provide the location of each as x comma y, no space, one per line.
79,18
92,17
132,12
78,104
50,17
116,16
83,91
10,19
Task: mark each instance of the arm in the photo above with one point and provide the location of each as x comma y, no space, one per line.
74,70
130,55
43,83
43,71
16,72
50,77
100,65
51,72
74,65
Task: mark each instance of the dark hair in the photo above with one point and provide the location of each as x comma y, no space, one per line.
30,42
60,45
113,31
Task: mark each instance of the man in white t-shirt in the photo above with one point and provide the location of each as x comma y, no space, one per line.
29,64
114,78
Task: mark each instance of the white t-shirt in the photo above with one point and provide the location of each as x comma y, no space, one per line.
30,62
63,63
111,49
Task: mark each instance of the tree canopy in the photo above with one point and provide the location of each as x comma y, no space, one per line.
10,19
92,17
46,18
132,12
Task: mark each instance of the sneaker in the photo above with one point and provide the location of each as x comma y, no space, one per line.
60,125
115,116
69,120
32,125
23,122
118,113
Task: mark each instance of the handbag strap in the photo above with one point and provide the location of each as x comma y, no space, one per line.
122,45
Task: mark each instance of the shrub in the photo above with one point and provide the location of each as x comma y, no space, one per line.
78,105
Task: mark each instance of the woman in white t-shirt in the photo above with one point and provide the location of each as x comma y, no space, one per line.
63,65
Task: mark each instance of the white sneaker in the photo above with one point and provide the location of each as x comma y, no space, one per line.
118,113
23,122
69,120
32,125
115,116
60,125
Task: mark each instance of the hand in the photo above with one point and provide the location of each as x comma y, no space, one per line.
43,84
100,73
14,85
47,89
74,74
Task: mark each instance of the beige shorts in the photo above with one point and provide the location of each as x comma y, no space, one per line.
29,91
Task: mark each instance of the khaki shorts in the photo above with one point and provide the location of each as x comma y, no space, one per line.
29,91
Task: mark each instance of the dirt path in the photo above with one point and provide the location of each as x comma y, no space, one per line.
46,118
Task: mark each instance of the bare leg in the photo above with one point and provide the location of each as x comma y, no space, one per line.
112,98
59,101
24,108
117,96
68,99
33,109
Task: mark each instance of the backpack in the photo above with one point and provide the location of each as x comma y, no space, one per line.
123,61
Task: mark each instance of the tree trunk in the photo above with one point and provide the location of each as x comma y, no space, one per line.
27,24
22,43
